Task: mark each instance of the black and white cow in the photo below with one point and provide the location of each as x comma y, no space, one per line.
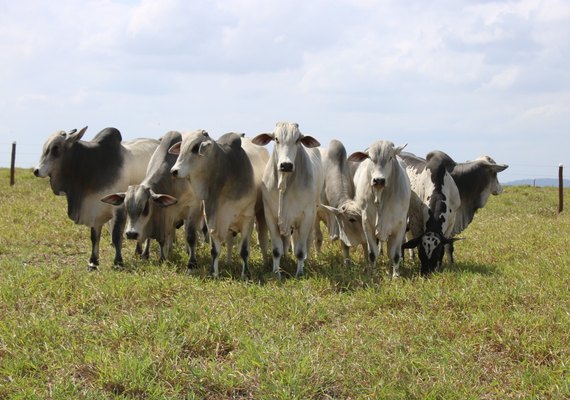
223,175
84,171
433,206
161,203
476,180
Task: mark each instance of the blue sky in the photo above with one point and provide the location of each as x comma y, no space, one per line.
466,77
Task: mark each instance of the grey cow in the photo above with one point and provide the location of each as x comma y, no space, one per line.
84,171
222,175
161,203
476,181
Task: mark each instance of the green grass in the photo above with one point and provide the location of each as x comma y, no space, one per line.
496,325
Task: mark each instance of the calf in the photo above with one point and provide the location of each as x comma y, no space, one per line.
160,203
84,171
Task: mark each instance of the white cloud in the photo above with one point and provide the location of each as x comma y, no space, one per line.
436,74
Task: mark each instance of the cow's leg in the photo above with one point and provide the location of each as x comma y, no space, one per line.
345,253
146,251
371,242
302,240
277,246
449,250
262,231
318,235
161,245
230,246
246,231
118,227
394,247
95,241
215,252
191,243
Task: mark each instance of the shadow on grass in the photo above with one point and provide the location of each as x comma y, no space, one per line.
474,268
328,265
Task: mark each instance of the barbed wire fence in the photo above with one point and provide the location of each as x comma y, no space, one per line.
28,151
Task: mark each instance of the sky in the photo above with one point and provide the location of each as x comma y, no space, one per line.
469,78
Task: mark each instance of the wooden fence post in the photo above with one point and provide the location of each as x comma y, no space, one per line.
560,189
13,165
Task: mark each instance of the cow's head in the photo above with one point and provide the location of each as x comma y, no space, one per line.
431,248
138,200
382,155
193,147
492,169
349,219
53,153
287,138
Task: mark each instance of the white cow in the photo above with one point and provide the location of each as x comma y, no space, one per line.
383,197
292,183
337,210
221,174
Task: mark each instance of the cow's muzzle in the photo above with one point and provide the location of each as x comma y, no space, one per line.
37,172
286,167
379,182
132,235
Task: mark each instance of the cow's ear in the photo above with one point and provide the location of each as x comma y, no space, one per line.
399,149
75,136
163,200
329,210
204,147
499,167
309,141
175,148
358,156
450,240
115,199
263,138
411,244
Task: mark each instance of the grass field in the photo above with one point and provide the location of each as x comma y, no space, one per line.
495,325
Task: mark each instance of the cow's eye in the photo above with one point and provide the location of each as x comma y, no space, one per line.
196,148
54,151
146,209
352,220
276,140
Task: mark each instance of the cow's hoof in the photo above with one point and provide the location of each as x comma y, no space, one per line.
92,267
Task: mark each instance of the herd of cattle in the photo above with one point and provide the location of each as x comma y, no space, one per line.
149,188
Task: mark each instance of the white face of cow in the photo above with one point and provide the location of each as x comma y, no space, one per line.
287,138
191,150
137,200
382,155
137,205
349,218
